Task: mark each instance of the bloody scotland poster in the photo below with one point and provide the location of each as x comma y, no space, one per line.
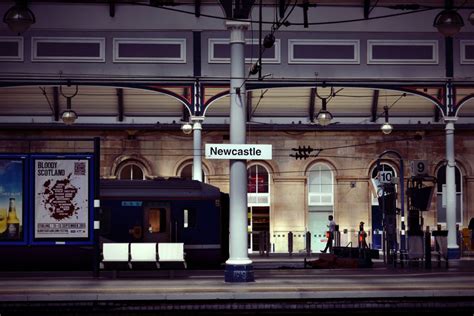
61,199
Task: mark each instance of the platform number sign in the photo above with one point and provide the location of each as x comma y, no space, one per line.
419,167
385,176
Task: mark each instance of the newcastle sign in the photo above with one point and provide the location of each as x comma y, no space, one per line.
239,151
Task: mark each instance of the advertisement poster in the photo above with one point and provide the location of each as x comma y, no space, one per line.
61,198
11,200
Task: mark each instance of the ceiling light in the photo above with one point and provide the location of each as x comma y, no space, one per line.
471,17
19,18
448,22
69,117
386,128
187,128
324,117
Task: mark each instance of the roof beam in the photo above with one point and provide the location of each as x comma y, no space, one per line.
185,116
249,106
366,9
437,113
112,8
238,10
56,103
120,105
312,104
375,105
197,8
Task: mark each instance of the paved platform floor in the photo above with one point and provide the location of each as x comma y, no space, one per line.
281,287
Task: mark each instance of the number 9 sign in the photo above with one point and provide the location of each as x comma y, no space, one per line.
419,167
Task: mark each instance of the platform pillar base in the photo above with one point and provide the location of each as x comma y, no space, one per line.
238,273
454,253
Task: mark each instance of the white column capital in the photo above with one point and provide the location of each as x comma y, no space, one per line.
237,28
450,120
196,121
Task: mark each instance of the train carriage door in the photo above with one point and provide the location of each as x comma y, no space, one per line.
377,216
156,222
320,203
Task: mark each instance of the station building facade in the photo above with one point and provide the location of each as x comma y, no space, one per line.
284,194
163,69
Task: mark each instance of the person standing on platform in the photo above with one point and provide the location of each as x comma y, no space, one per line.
362,236
330,234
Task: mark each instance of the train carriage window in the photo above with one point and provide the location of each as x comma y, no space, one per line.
157,220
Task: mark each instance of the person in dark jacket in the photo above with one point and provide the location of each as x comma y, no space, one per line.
362,236
330,234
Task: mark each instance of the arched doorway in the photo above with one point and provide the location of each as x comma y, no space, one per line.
376,212
320,202
441,196
258,202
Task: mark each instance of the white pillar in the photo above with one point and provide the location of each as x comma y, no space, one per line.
197,156
453,247
238,266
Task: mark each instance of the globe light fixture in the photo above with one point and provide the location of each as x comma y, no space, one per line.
187,128
386,128
324,117
471,17
448,22
19,17
69,117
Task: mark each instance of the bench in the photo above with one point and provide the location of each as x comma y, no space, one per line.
126,256
143,255
115,256
170,254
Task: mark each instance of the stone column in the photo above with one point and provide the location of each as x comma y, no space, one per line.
238,266
453,248
197,156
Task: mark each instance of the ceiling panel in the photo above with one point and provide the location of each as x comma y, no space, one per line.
25,100
91,100
139,102
291,102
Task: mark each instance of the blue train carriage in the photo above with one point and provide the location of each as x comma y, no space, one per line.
168,210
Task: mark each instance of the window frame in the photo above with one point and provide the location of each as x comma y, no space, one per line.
132,163
258,196
320,195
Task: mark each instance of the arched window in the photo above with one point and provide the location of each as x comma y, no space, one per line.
441,197
321,185
320,202
258,185
131,170
186,172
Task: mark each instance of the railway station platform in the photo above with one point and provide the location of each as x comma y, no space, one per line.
282,286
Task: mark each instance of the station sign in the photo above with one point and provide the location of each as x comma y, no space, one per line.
419,167
239,151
